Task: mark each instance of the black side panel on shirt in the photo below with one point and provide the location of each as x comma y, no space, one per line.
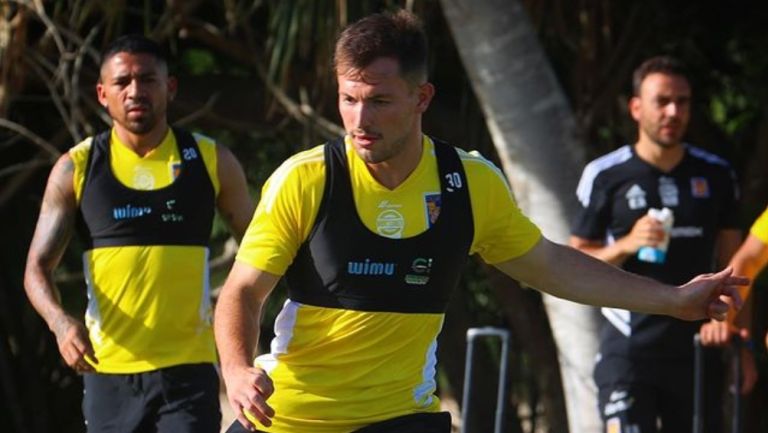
345,265
179,214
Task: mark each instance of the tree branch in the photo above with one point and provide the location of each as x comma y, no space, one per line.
39,8
208,34
74,100
55,97
205,109
35,163
31,136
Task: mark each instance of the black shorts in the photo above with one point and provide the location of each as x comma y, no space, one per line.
657,395
178,399
439,422
642,408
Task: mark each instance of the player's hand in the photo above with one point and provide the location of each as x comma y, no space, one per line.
711,295
248,389
718,334
74,345
647,232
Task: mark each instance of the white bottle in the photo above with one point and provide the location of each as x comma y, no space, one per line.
658,253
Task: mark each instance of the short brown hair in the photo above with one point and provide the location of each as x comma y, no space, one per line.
399,35
666,65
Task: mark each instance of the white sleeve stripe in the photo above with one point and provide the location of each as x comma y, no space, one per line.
477,158
594,168
280,175
706,156
620,319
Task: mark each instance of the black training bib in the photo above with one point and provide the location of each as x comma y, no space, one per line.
178,214
345,265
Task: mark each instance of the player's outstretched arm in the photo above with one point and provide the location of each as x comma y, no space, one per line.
567,273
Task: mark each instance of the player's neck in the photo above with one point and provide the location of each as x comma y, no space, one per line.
394,171
665,158
142,144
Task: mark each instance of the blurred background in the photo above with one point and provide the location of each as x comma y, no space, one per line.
256,75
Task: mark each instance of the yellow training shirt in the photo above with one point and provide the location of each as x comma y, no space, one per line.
148,306
337,370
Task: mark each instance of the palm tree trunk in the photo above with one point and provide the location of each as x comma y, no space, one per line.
533,131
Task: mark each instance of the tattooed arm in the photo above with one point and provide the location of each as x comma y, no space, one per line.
52,234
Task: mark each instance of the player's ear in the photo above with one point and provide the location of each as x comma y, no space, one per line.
425,93
173,87
634,107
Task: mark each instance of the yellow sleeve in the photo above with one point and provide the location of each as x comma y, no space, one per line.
760,227
207,148
79,156
285,214
502,232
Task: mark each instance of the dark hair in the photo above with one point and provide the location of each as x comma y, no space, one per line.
667,65
134,44
399,35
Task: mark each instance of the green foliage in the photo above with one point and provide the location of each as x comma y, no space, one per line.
199,62
482,305
733,110
593,46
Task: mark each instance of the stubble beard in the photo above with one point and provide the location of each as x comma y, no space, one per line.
371,156
664,143
383,152
142,125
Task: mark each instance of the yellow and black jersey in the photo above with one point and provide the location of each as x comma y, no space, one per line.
148,285
345,361
760,227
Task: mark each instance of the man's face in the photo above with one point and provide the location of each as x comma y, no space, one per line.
662,109
381,110
135,90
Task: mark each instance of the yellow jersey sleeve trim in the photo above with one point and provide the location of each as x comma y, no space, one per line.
79,156
760,227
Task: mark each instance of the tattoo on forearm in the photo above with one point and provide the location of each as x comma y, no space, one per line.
54,229
68,167
57,214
